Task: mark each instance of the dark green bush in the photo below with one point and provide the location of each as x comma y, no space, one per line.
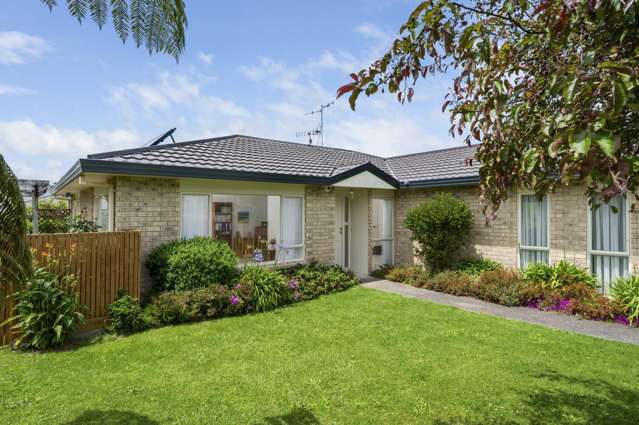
452,282
48,309
200,262
125,314
157,263
269,289
561,274
314,280
476,266
439,225
502,286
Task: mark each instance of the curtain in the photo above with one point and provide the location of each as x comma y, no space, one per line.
292,229
195,216
608,230
534,230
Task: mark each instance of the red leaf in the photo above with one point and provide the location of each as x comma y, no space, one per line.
345,89
355,77
411,92
399,96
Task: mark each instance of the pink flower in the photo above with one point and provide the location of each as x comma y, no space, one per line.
234,299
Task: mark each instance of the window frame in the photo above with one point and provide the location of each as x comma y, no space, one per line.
591,252
209,194
521,247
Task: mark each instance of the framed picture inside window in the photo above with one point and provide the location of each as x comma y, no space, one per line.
242,216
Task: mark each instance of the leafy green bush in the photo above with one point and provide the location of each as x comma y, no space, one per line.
157,263
175,307
313,280
382,271
77,224
502,286
269,289
405,274
125,314
47,310
439,225
200,262
625,290
452,282
476,266
561,274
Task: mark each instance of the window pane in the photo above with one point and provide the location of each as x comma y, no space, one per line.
607,268
102,216
609,227
195,216
534,221
291,229
528,257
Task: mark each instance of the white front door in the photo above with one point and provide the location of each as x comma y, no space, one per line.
343,231
382,233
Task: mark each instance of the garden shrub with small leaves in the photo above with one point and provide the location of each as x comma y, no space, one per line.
501,286
125,314
411,275
452,282
314,280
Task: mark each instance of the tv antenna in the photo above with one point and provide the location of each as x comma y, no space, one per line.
319,131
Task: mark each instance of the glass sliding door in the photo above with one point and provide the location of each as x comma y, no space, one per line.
533,230
609,242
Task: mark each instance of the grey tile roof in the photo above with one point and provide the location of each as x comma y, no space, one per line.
256,155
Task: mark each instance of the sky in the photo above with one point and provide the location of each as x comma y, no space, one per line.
250,67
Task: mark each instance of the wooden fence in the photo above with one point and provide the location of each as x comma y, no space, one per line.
104,263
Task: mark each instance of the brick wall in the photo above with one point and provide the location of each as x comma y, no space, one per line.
320,224
497,240
85,204
151,205
569,225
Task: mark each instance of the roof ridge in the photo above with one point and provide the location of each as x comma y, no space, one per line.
433,151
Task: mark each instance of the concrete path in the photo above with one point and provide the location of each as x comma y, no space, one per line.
604,330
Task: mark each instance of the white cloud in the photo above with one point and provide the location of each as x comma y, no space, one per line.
17,47
206,58
372,31
43,151
15,90
341,61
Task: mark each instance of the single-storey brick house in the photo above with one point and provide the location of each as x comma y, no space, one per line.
297,202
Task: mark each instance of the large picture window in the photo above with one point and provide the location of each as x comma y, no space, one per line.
608,241
533,232
271,224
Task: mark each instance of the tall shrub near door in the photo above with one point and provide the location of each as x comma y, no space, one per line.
439,225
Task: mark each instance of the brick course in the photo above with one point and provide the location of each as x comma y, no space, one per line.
320,224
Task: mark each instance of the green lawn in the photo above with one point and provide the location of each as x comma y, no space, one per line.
359,357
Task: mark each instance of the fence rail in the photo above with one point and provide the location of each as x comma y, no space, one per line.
104,263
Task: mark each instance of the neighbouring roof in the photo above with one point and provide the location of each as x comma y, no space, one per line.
240,157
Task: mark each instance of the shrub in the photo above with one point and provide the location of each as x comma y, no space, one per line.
563,273
157,263
475,266
125,314
200,262
625,290
439,225
452,282
502,286
406,274
382,271
269,287
77,224
48,309
596,308
314,280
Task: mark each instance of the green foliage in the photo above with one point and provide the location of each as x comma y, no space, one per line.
158,24
410,275
502,286
382,271
15,256
77,224
269,289
625,290
157,263
452,282
47,310
313,280
200,262
561,274
476,266
527,75
175,307
439,225
125,314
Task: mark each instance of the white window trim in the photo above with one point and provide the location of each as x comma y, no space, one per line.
521,247
590,252
282,195
392,238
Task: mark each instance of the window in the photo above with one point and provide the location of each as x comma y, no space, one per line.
609,241
269,223
382,232
102,212
533,230
195,216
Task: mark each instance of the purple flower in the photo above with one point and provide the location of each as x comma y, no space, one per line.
234,299
564,304
297,295
293,284
622,320
258,255
533,304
